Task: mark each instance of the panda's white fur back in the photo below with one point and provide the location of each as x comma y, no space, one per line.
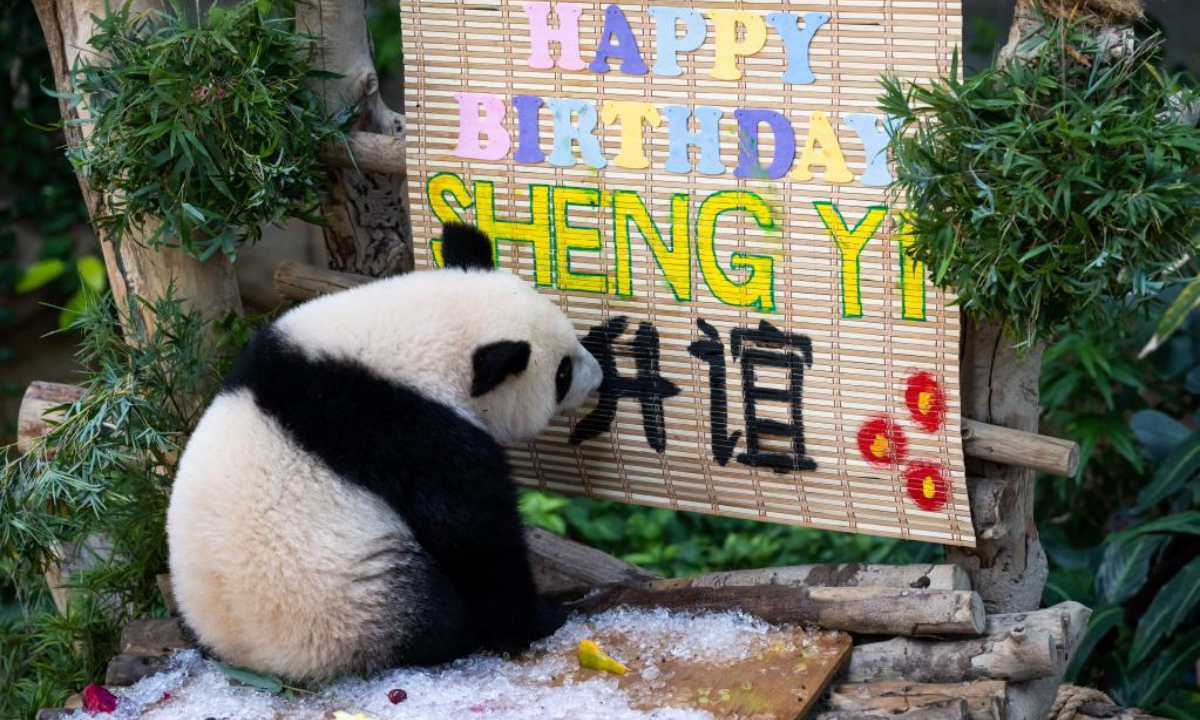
352,426
259,521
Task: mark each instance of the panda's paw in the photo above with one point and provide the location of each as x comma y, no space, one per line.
549,618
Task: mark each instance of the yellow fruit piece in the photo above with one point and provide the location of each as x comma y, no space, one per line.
593,658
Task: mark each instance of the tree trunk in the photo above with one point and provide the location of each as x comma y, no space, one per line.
1000,386
133,269
368,229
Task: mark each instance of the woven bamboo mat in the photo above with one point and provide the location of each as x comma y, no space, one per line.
752,378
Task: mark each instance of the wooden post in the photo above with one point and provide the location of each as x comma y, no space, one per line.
368,229
1008,567
133,269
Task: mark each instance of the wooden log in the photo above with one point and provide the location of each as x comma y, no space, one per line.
564,567
368,152
1006,446
298,282
35,417
944,709
128,669
986,699
864,610
1008,567
1066,624
367,225
1013,656
153,636
921,577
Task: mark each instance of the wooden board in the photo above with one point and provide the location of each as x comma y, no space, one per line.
771,352
781,682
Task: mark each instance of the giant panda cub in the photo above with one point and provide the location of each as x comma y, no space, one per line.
345,504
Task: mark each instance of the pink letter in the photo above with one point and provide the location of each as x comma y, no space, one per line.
471,125
566,35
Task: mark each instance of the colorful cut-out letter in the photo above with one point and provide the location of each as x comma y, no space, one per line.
617,41
566,35
681,137
668,45
472,127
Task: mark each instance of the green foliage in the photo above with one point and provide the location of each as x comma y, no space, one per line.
103,471
210,128
1124,537
674,543
1049,185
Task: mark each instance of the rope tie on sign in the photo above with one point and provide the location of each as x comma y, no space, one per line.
1071,698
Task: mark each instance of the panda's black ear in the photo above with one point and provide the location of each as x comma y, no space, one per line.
494,362
466,247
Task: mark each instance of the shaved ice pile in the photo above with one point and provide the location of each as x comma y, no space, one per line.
548,684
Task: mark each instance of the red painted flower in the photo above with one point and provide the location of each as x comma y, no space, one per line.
882,442
926,485
97,698
926,402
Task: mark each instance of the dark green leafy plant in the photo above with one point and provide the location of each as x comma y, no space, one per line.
208,129
1124,537
1049,185
103,473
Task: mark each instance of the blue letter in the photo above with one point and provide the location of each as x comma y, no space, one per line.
706,138
875,143
565,131
668,45
797,43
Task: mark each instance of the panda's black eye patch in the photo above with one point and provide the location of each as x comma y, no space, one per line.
562,378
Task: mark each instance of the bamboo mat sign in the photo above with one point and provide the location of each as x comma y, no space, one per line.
702,185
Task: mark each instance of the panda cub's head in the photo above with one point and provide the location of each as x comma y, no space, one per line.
537,367
477,339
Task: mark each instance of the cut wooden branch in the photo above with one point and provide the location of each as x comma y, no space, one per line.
298,282
986,699
863,610
368,152
1008,567
153,636
1006,446
128,669
944,709
1012,655
35,417
1066,623
565,567
367,228
919,577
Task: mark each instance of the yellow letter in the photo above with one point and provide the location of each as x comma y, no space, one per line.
536,232
850,244
829,154
568,237
758,290
435,191
728,48
631,115
912,273
675,261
